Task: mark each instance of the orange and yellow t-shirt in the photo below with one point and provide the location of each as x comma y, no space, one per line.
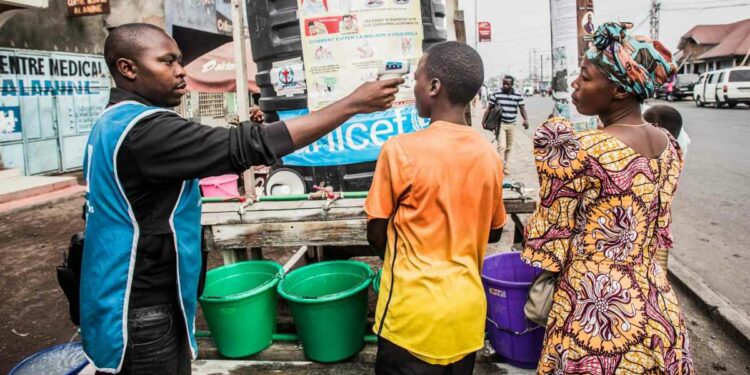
442,189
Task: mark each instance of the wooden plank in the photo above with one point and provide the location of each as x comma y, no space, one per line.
512,206
222,207
219,218
519,206
338,232
296,205
297,260
208,239
280,206
233,255
273,216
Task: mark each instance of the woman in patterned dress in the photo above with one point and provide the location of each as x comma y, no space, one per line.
605,203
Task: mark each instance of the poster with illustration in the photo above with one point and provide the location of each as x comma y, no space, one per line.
344,42
570,22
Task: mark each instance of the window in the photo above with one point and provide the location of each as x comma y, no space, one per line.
211,104
742,75
711,78
721,77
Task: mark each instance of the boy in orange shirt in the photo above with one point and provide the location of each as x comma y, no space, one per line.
434,204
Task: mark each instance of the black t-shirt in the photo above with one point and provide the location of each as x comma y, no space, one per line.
156,156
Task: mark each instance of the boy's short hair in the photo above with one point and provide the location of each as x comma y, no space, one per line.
511,79
458,67
126,41
666,117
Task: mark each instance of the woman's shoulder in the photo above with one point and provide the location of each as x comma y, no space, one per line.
558,148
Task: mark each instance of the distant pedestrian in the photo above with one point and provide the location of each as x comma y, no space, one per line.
511,103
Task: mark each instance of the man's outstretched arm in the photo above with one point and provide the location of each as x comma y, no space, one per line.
368,98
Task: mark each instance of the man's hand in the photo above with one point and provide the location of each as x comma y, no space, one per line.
368,98
373,96
525,124
256,114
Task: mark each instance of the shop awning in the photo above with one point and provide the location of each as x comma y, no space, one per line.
215,71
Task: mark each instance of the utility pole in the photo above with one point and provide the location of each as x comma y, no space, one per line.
243,100
541,68
655,15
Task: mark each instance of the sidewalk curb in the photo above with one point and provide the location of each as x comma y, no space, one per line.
734,321
42,200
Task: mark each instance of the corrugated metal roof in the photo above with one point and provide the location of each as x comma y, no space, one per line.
728,40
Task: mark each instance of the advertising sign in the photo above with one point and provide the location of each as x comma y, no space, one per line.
485,31
344,42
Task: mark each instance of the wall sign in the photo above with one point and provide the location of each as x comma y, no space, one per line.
78,8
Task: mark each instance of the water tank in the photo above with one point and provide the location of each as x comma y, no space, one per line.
275,36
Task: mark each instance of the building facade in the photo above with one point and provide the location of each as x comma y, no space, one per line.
712,47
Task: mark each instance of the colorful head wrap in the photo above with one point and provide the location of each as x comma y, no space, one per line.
636,63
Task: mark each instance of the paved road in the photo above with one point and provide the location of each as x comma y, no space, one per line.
711,226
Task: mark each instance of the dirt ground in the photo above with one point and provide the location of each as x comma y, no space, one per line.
34,312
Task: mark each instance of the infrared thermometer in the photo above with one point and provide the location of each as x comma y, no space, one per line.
393,69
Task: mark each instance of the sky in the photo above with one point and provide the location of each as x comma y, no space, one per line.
519,27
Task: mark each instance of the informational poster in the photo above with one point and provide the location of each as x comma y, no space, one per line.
569,43
344,43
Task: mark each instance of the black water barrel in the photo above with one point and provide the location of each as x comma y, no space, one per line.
275,36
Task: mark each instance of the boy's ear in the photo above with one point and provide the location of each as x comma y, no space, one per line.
435,87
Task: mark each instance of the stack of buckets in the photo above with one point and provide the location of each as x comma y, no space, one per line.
507,280
328,302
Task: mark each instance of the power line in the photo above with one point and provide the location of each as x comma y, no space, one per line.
705,7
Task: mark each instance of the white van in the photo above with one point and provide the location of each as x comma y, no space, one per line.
723,87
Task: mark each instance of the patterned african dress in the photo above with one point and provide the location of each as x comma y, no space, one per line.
604,210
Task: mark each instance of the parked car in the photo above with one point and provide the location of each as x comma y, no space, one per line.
680,87
723,87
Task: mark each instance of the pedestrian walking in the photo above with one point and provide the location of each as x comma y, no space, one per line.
605,209
142,262
511,103
430,216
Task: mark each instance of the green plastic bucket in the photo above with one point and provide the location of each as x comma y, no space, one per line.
239,302
329,305
376,281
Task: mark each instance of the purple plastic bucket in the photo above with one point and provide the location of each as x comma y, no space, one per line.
507,279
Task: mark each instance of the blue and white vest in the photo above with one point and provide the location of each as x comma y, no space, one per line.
112,236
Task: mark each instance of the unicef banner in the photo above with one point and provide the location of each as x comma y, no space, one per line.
357,140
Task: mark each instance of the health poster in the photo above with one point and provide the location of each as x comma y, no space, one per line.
344,43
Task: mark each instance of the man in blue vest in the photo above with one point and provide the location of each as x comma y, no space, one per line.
142,257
